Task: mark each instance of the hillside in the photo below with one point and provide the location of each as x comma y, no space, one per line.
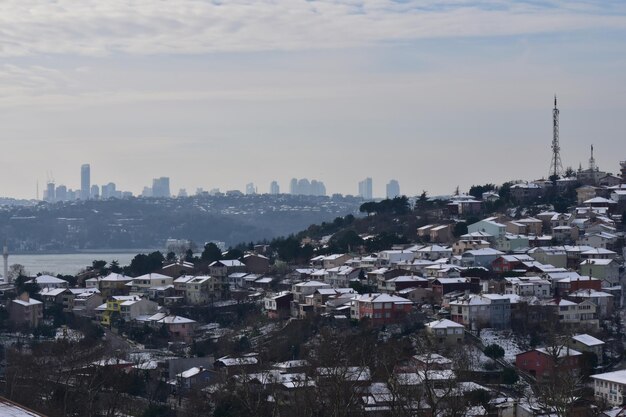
147,223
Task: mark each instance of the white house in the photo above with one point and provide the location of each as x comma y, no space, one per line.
48,281
610,387
446,331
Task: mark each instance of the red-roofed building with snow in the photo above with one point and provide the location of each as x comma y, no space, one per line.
381,309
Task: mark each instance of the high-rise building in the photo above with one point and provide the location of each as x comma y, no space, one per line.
274,188
293,187
250,188
365,188
108,190
161,187
95,192
393,189
85,181
61,193
318,188
49,194
303,186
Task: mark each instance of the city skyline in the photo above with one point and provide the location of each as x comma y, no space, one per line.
321,86
161,188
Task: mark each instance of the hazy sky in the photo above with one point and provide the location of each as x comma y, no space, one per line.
433,93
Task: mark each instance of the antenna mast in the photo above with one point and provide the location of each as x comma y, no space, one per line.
556,168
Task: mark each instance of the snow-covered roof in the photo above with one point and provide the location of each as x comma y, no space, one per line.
167,319
30,302
561,351
183,264
116,277
312,284
291,364
183,279
243,274
432,358
53,292
349,373
199,280
152,276
589,293
227,263
47,280
618,377
246,360
382,298
190,372
407,278
599,200
443,324
578,278
11,409
476,235
484,252
416,378
599,262
451,280
599,251
587,340
434,248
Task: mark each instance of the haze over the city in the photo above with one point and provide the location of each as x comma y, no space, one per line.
220,94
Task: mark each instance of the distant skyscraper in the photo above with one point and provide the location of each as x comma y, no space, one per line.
95,192
303,186
85,181
274,188
365,188
318,188
61,193
393,189
161,187
250,188
108,191
50,193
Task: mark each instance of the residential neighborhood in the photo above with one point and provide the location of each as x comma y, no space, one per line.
498,306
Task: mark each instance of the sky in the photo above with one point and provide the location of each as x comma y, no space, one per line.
216,94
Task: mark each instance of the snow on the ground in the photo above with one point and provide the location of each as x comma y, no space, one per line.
69,335
503,338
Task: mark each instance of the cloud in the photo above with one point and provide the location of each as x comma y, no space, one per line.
97,28
30,80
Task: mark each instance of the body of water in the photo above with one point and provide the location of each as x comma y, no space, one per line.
69,263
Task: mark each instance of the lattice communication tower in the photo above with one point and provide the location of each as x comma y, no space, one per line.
556,168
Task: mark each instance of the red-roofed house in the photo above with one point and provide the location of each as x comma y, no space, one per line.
380,308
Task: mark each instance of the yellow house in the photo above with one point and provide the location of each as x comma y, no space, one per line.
114,305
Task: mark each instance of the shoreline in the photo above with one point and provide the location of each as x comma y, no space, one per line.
87,252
